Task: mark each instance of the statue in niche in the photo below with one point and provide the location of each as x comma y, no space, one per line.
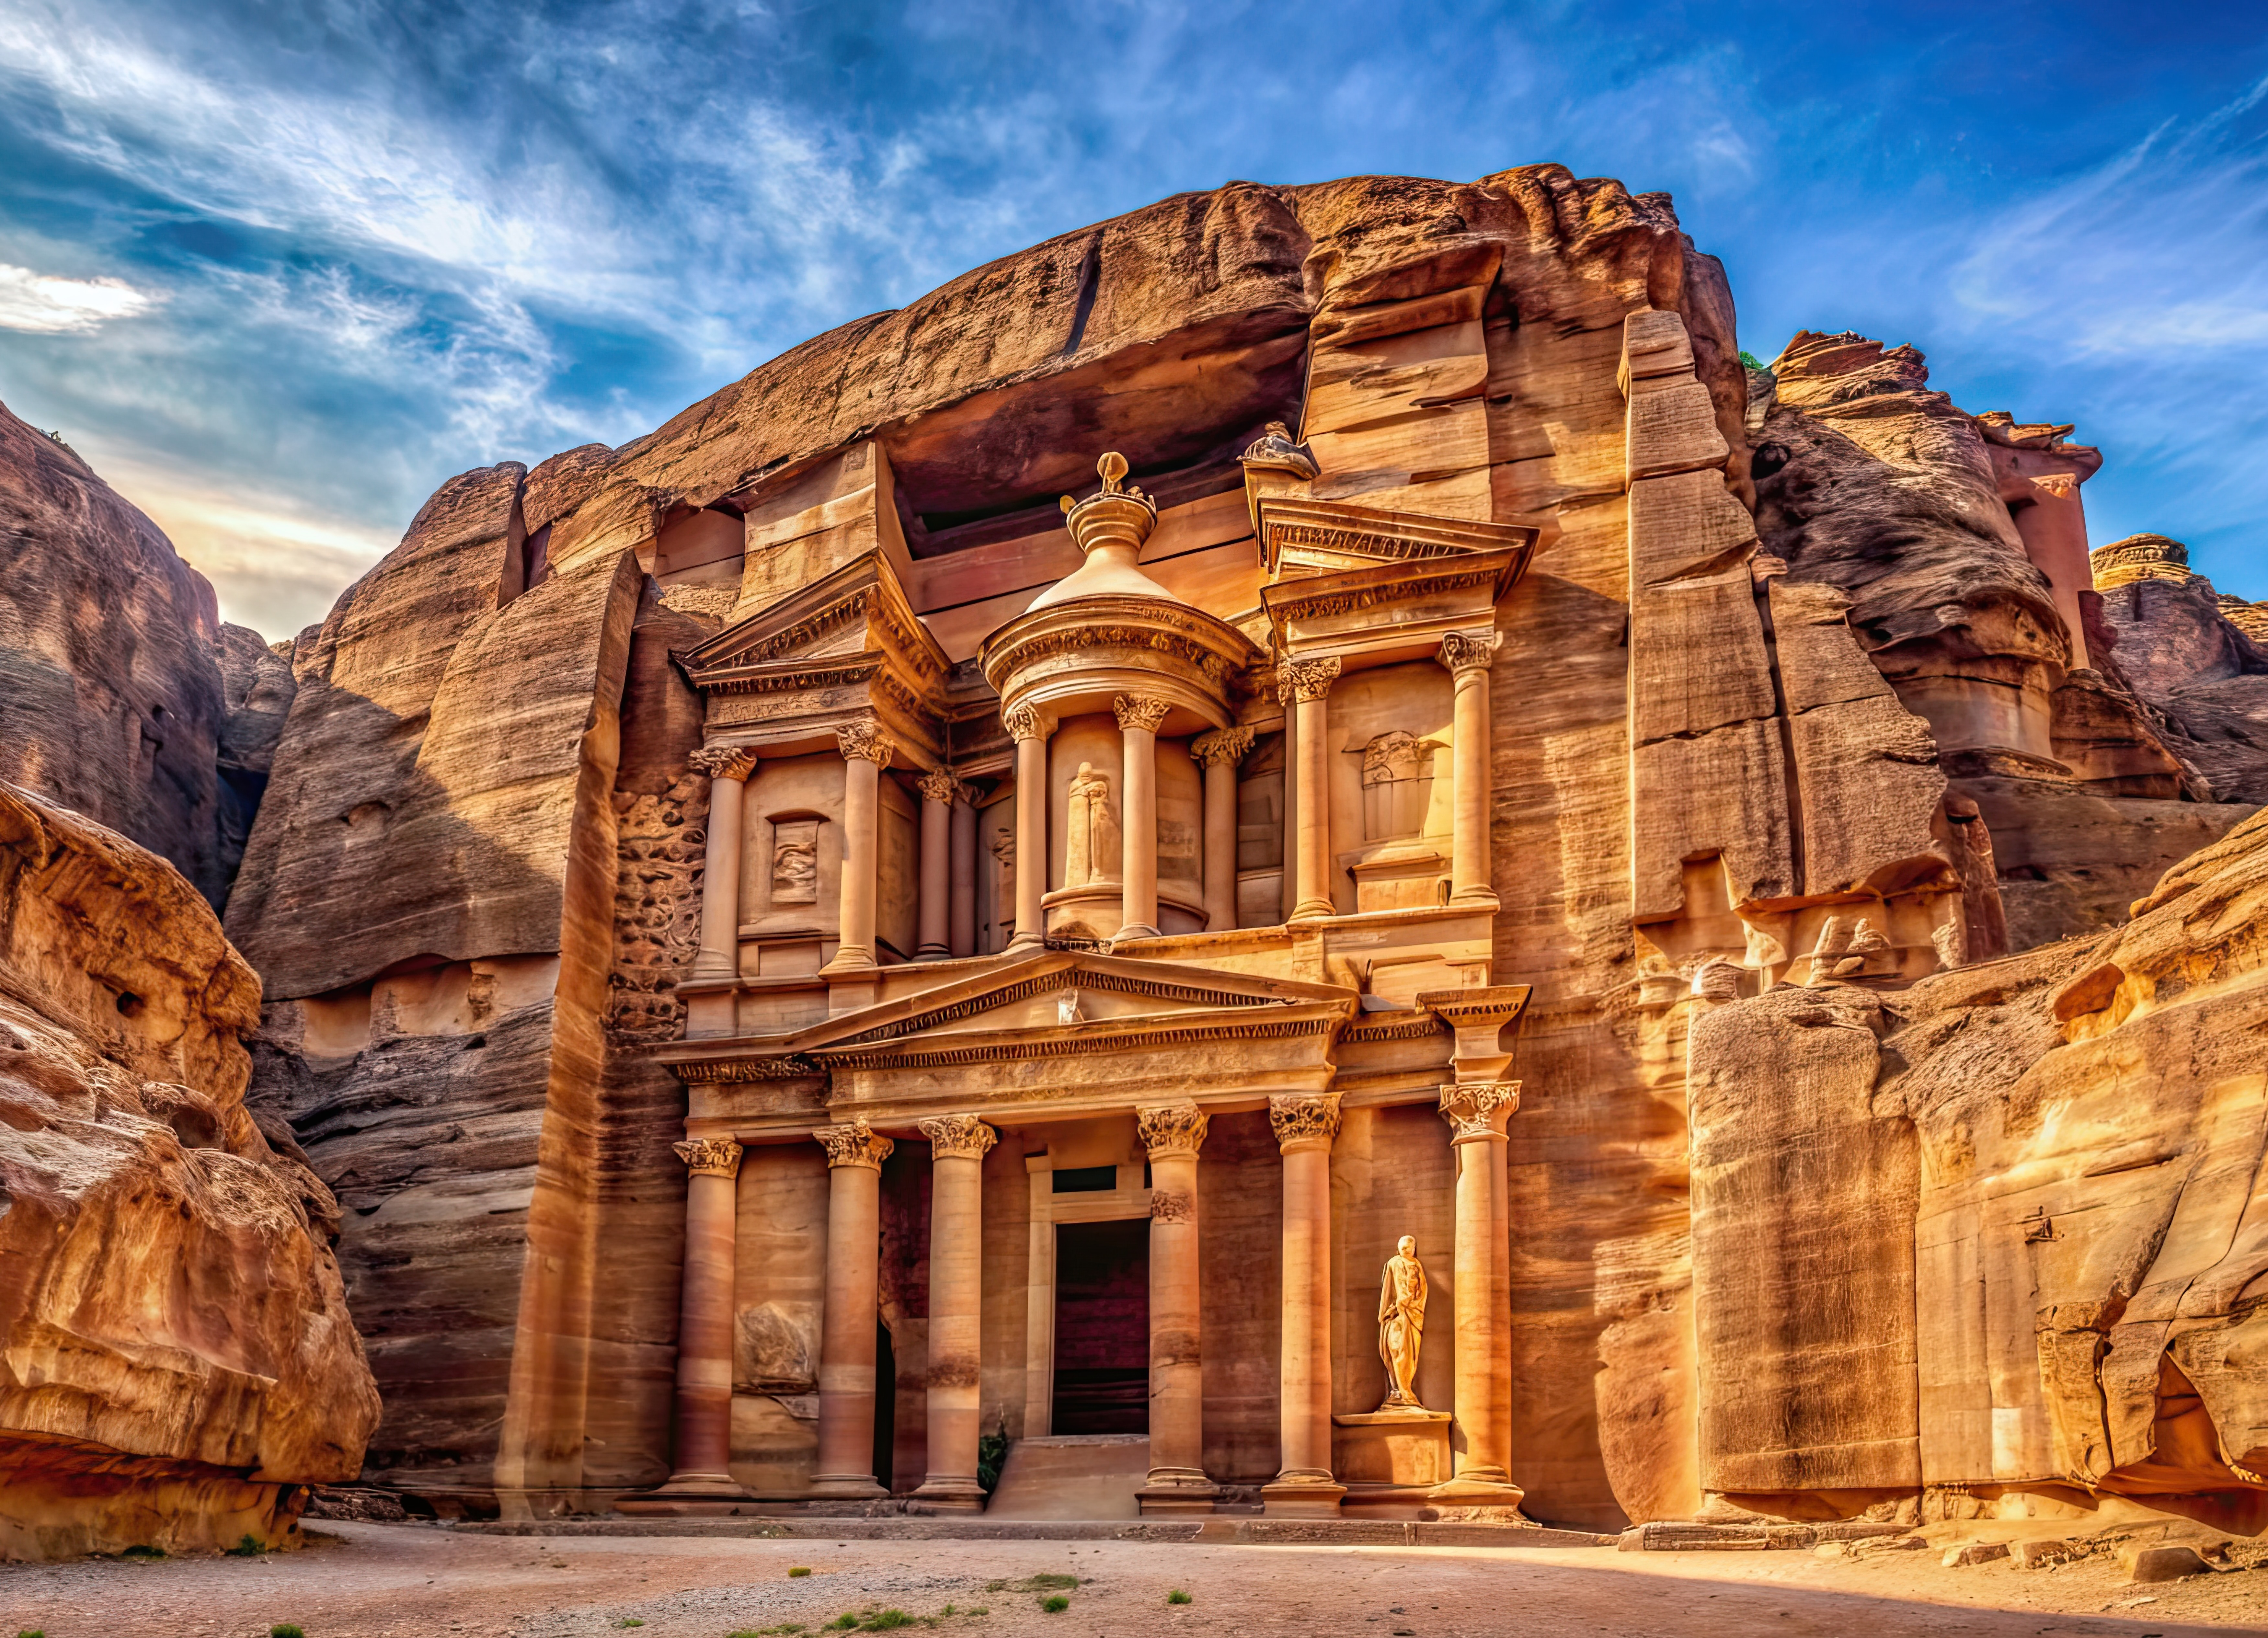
795,862
1402,1324
1091,846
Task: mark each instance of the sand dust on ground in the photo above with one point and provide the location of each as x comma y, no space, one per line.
425,1581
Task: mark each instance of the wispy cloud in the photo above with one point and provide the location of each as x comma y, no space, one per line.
44,305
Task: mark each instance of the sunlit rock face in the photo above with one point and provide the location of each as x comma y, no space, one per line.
177,1362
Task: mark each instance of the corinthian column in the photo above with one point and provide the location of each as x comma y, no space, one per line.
846,1334
962,920
865,750
956,1303
704,1324
1476,1111
1137,738
933,935
728,768
1306,1125
1469,655
1310,682
1217,753
1177,1483
1030,728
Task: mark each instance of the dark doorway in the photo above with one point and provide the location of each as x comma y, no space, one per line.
1102,1328
885,1409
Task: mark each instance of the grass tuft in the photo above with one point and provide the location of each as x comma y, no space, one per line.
247,1546
286,1629
1054,1605
888,1621
1177,1596
799,1569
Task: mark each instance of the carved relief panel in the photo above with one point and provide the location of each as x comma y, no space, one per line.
795,861
1398,783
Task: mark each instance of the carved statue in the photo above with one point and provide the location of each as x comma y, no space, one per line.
1402,1322
1091,846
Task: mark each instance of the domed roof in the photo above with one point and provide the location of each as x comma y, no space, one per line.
1110,527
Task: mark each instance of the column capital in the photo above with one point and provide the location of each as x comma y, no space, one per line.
724,761
1469,651
853,1145
1306,679
1027,722
1222,745
709,1157
1479,1109
958,1137
939,786
1171,1129
1304,1118
865,741
1135,712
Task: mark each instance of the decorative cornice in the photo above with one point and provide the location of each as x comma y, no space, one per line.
740,1071
1027,722
1009,994
939,786
853,1145
1304,1118
1222,745
1354,600
1309,679
1084,1046
709,1157
1479,1109
1469,651
1389,1026
724,761
1134,711
958,1137
865,741
1171,1129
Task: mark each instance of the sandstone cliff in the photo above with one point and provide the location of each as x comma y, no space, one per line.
2002,1231
176,1356
112,661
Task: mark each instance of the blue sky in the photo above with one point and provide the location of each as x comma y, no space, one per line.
277,268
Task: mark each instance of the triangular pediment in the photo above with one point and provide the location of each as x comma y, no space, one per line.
1062,995
856,613
1299,537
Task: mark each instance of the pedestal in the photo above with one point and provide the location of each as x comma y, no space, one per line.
1392,1460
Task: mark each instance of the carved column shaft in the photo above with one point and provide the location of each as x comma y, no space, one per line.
846,1337
864,751
1219,752
1173,1135
1306,1126
1469,656
1030,729
933,931
1310,685
1137,832
1476,1112
956,1306
962,918
705,1326
728,768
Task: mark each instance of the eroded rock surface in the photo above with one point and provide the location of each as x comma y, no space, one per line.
176,1355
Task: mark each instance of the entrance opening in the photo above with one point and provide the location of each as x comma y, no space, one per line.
885,1409
1102,1328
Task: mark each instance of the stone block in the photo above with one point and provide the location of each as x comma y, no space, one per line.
2164,1563
2042,1555
1974,1553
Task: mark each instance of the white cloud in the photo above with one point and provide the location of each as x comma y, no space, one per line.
47,306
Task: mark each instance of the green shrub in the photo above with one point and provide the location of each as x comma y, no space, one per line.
247,1546
1750,360
846,1622
31,1631
630,1620
888,1621
1177,1596
286,1629
143,1552
799,1569
1055,1605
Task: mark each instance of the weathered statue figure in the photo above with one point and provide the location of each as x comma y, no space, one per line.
1091,848
1402,1322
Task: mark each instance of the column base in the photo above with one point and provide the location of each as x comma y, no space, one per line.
845,1487
1127,934
1476,1490
1176,1490
929,952
1301,1497
950,1495
1024,941
1312,910
683,1494
849,959
1474,899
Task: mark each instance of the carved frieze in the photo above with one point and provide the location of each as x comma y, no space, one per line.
1304,1118
853,1145
1171,1129
709,1157
1173,1206
724,761
1222,745
1133,711
1479,1109
958,1137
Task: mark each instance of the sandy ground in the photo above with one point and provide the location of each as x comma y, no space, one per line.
409,1580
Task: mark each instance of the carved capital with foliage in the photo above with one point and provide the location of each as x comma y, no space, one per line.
939,787
1134,711
709,1157
1479,1109
1222,745
1171,1129
958,1137
853,1145
1304,1118
865,741
1469,651
724,762
1027,722
1305,680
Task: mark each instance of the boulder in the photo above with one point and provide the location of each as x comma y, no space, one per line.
2162,1562
177,1362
